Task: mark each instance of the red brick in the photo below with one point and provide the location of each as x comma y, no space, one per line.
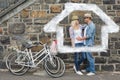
36,48
118,13
38,14
78,13
24,13
56,8
1,30
42,14
34,14
75,1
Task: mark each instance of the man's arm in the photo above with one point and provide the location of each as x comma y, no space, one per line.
90,31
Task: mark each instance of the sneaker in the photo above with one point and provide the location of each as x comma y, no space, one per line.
74,69
90,74
79,73
84,70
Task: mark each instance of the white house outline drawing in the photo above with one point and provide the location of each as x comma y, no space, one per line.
109,27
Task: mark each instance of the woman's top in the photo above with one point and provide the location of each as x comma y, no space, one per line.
76,33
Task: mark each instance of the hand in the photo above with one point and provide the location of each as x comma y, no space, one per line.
79,38
73,46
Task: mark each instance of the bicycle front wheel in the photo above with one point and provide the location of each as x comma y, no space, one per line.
15,67
55,68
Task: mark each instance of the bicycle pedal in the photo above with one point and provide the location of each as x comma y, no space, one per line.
21,63
29,63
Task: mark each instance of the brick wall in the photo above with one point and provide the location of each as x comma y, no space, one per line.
32,19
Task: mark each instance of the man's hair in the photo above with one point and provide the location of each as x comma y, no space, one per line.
90,18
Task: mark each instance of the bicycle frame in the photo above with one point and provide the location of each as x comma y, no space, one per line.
33,58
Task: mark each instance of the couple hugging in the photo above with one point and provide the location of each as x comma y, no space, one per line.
83,36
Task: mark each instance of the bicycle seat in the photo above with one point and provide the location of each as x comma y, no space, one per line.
27,45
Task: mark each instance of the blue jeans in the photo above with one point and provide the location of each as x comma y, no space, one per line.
91,62
78,56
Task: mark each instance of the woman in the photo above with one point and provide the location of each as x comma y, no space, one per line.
75,32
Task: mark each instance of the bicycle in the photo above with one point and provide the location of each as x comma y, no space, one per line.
19,62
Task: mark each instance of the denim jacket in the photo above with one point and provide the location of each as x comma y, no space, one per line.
90,34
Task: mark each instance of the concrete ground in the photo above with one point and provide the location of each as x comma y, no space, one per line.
41,75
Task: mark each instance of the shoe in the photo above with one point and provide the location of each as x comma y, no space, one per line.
90,74
83,70
79,73
74,69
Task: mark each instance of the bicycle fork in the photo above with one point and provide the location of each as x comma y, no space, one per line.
51,58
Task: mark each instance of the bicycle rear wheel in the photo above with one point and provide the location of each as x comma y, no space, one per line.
8,58
54,70
15,68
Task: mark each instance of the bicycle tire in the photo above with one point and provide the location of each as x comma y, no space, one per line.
59,72
7,59
50,67
14,67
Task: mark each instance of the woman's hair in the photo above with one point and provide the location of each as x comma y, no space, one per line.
75,22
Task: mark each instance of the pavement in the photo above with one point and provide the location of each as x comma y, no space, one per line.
41,75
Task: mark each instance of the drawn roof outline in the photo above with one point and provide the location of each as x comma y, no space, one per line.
109,27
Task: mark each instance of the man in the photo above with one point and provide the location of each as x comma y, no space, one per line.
89,41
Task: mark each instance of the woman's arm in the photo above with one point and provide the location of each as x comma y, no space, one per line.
72,42
71,36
